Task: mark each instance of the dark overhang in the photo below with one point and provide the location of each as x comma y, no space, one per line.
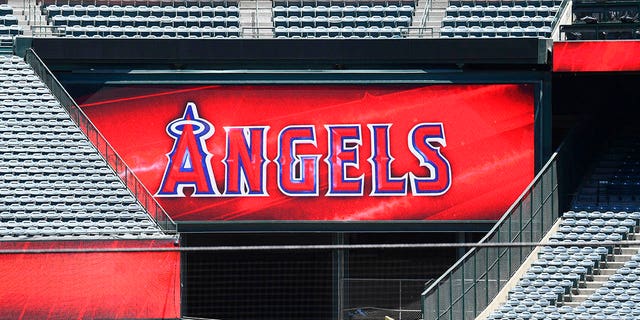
294,53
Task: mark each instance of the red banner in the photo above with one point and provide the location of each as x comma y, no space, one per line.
324,152
591,56
89,285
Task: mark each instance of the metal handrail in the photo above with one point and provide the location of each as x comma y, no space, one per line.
494,232
128,177
425,16
599,31
40,30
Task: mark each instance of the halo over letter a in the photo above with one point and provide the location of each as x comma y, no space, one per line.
189,161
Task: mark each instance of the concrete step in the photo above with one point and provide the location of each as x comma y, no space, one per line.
26,17
618,262
588,291
572,304
596,281
603,276
629,251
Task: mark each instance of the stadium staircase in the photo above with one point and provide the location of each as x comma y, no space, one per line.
256,18
429,15
20,10
599,280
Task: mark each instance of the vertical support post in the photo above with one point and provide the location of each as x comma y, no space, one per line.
400,301
554,191
437,302
509,248
460,238
451,298
338,278
463,311
497,263
542,197
475,285
542,132
486,270
257,21
531,209
520,228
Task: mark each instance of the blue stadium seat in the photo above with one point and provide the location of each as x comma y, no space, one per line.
490,11
512,21
349,11
474,21
447,31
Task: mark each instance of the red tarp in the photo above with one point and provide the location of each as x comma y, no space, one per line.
590,56
106,285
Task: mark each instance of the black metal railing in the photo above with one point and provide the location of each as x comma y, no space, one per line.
468,287
471,284
600,31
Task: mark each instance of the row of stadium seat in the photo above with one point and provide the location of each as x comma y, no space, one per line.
305,21
485,21
100,223
148,3
20,83
21,217
15,162
154,31
79,233
113,21
342,3
502,31
44,204
348,11
34,140
497,3
66,189
53,182
346,32
505,11
144,11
